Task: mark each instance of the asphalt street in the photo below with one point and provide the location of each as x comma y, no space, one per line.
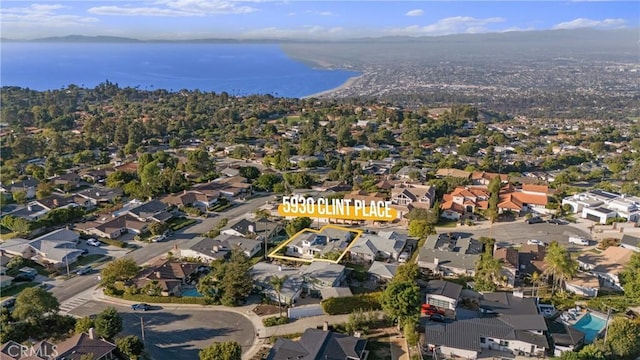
67,289
178,334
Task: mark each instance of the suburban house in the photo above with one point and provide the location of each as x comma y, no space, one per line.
599,206
312,278
606,265
230,187
511,324
483,177
510,260
419,196
114,228
468,338
443,294
319,344
218,248
69,180
28,186
95,175
170,276
448,254
55,249
192,198
82,345
154,210
369,247
100,196
565,337
630,242
382,272
259,229
465,200
312,244
263,273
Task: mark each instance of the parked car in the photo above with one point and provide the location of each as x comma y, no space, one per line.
24,277
578,240
141,307
8,303
534,220
437,318
84,270
536,242
404,257
557,222
159,238
93,242
428,309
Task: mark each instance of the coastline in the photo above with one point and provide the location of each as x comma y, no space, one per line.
350,82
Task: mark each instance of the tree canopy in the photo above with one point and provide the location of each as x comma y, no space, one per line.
228,350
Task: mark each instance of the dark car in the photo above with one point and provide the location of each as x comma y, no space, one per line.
141,307
84,270
24,277
437,318
535,220
556,221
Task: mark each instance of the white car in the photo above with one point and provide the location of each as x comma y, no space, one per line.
93,242
578,241
536,242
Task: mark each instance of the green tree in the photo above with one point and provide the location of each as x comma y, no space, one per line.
131,346
84,324
410,333
122,269
559,265
591,352
250,172
297,224
33,304
487,271
401,301
623,340
228,350
494,198
420,229
408,272
156,228
108,323
266,182
630,277
20,197
277,282
236,283
209,286
357,321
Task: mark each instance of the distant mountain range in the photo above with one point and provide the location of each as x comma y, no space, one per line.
542,35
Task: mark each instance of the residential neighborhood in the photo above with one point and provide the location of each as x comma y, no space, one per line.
494,253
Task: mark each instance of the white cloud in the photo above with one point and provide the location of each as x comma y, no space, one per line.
590,23
450,25
42,16
415,12
326,13
176,8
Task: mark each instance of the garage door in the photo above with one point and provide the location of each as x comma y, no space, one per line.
593,217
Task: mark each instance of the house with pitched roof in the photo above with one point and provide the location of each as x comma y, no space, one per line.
116,227
311,244
319,344
55,249
83,345
510,260
630,242
169,275
28,186
218,248
464,200
370,247
450,254
192,198
382,271
443,294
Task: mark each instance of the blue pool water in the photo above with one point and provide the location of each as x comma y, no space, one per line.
591,326
191,293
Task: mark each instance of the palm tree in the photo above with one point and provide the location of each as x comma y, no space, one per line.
277,283
535,280
559,265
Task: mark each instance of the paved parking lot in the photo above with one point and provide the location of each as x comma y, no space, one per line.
178,334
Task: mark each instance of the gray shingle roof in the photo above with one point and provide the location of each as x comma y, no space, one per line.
507,304
444,288
318,344
630,240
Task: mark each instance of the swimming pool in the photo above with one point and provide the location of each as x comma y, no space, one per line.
192,292
591,326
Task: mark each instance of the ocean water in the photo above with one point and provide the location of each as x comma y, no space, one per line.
238,69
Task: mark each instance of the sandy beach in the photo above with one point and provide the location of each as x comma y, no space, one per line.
350,81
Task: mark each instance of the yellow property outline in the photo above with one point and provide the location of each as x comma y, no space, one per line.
274,254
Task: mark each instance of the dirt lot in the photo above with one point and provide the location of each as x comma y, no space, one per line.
265,309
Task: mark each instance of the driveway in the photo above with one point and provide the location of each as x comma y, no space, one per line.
178,334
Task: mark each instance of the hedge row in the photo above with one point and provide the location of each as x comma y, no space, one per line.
114,242
275,320
182,224
166,299
347,305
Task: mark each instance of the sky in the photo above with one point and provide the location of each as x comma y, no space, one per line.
303,19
